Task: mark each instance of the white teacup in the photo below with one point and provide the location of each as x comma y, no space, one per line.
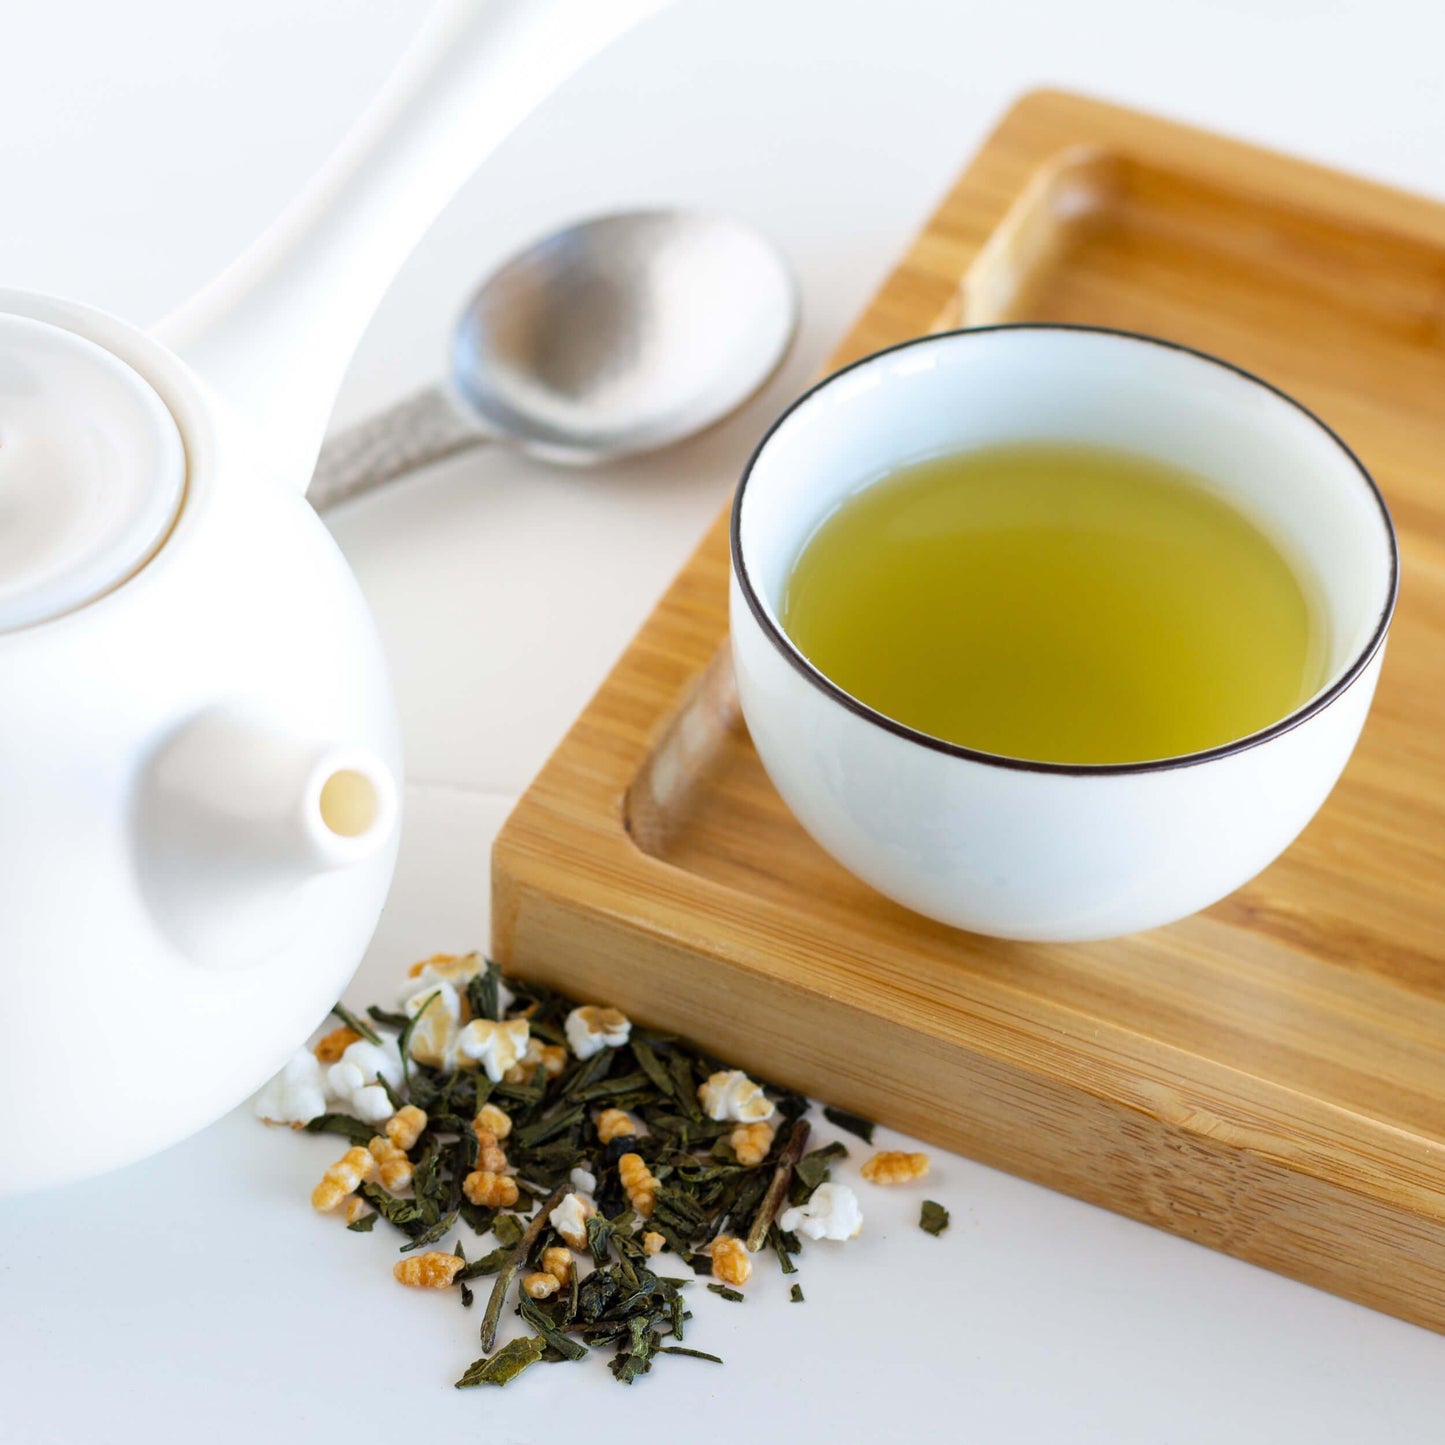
1044,850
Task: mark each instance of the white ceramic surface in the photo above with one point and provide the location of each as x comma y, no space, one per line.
195,1294
91,471
170,915
199,754
1045,851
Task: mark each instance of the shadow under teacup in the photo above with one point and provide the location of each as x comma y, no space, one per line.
1040,850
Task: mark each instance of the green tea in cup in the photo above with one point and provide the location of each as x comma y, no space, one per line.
1056,602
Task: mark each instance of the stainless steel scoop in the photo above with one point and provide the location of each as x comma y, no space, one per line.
619,335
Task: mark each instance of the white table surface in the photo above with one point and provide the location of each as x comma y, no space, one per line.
196,1294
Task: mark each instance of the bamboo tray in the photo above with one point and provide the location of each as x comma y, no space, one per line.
1268,1077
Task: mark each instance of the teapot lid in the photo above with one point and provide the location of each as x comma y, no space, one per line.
92,471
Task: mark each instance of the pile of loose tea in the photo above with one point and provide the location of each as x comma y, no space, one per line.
593,1152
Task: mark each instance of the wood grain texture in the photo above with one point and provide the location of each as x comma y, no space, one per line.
1268,1077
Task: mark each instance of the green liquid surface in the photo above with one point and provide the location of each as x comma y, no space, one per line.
1056,603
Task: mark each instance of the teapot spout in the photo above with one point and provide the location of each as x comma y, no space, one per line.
238,824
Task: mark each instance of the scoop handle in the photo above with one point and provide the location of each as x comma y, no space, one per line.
423,428
273,333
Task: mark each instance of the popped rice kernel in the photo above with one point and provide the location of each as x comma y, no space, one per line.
455,968
405,1126
751,1142
432,1270
491,1157
494,1045
552,1058
330,1047
489,1116
541,1285
490,1190
614,1124
570,1218
342,1178
831,1212
296,1095
730,1094
393,1168
730,1262
359,1079
356,1208
638,1183
590,1029
433,1037
652,1242
557,1261
895,1166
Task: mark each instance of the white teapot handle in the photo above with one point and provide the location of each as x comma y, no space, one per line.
273,334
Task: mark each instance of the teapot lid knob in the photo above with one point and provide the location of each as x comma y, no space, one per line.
92,471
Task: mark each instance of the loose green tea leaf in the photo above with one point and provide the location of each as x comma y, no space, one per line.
478,1217
432,1234
482,1088
785,1259
735,1296
503,1367
934,1219
459,1249
748,1195
591,1071
692,1354
539,1320
796,1294
387,1018
522,1097
357,1025
686,1094
421,1084
357,1130
427,1183
487,1264
547,1128
599,1236
403,1044
405,1214
484,992
365,1224
596,1295
508,1273
627,1365
675,1209
652,1066
793,1106
507,1228
635,1358
813,1168
541,1028
611,1090
853,1123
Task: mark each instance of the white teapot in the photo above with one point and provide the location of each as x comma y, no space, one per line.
199,752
